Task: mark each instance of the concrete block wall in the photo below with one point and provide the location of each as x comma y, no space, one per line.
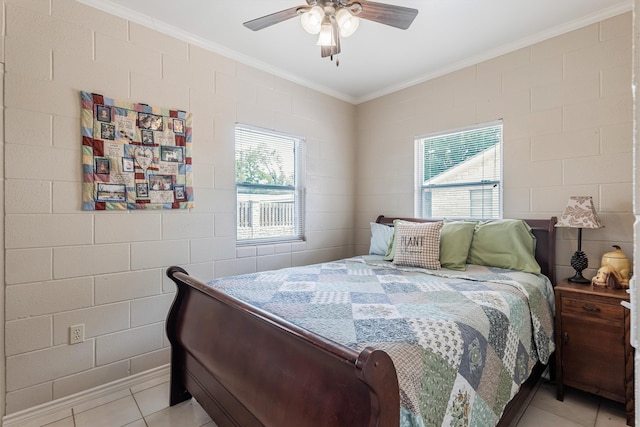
65,266
566,107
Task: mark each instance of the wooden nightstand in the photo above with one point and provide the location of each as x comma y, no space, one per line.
592,343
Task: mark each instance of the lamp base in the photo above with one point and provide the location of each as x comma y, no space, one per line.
579,278
579,262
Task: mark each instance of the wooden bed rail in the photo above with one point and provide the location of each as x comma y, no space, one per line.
241,383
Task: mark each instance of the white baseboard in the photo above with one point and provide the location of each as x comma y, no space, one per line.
59,408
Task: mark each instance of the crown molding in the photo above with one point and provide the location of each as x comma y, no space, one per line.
163,27
620,8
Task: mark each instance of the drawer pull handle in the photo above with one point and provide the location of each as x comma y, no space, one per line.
591,308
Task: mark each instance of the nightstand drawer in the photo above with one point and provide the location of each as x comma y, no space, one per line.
592,309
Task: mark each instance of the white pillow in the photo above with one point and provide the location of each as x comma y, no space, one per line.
381,237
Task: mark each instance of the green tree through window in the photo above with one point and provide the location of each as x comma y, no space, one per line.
262,165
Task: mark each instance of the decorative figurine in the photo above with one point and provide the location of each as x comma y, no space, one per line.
615,270
607,277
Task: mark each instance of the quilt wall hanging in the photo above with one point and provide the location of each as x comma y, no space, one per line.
134,156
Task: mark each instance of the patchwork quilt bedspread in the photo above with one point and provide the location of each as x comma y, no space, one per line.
462,342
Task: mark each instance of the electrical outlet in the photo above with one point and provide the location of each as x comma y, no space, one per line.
76,334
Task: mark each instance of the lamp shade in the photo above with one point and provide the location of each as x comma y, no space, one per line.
328,33
347,22
579,213
311,20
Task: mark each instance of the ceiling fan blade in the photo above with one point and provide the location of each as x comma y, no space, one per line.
395,16
274,18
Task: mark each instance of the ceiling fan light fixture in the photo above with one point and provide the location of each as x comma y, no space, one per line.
330,19
311,20
328,35
347,22
334,49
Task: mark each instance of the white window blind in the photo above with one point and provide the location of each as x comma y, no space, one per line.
268,185
458,173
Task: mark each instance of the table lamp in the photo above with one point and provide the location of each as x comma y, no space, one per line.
579,214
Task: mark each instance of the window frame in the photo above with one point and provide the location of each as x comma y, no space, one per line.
297,188
420,186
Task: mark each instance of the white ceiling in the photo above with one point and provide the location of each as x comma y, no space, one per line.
446,35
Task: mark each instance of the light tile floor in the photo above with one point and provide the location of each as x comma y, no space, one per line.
146,405
577,409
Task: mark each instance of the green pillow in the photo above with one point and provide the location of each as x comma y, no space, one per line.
505,243
455,241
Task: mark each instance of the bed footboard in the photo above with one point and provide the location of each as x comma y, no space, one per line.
249,368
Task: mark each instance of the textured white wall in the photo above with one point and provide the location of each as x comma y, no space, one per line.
106,269
566,106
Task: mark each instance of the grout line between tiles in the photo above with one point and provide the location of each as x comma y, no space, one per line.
144,420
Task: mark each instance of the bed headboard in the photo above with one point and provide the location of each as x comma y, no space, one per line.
543,229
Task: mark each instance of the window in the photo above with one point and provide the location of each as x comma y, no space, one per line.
458,173
268,186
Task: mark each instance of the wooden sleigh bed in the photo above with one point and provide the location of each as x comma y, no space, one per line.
247,367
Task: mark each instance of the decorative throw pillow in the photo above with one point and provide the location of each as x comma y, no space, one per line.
381,237
392,247
455,241
505,243
418,245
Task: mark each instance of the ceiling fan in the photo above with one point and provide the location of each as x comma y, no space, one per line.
331,19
